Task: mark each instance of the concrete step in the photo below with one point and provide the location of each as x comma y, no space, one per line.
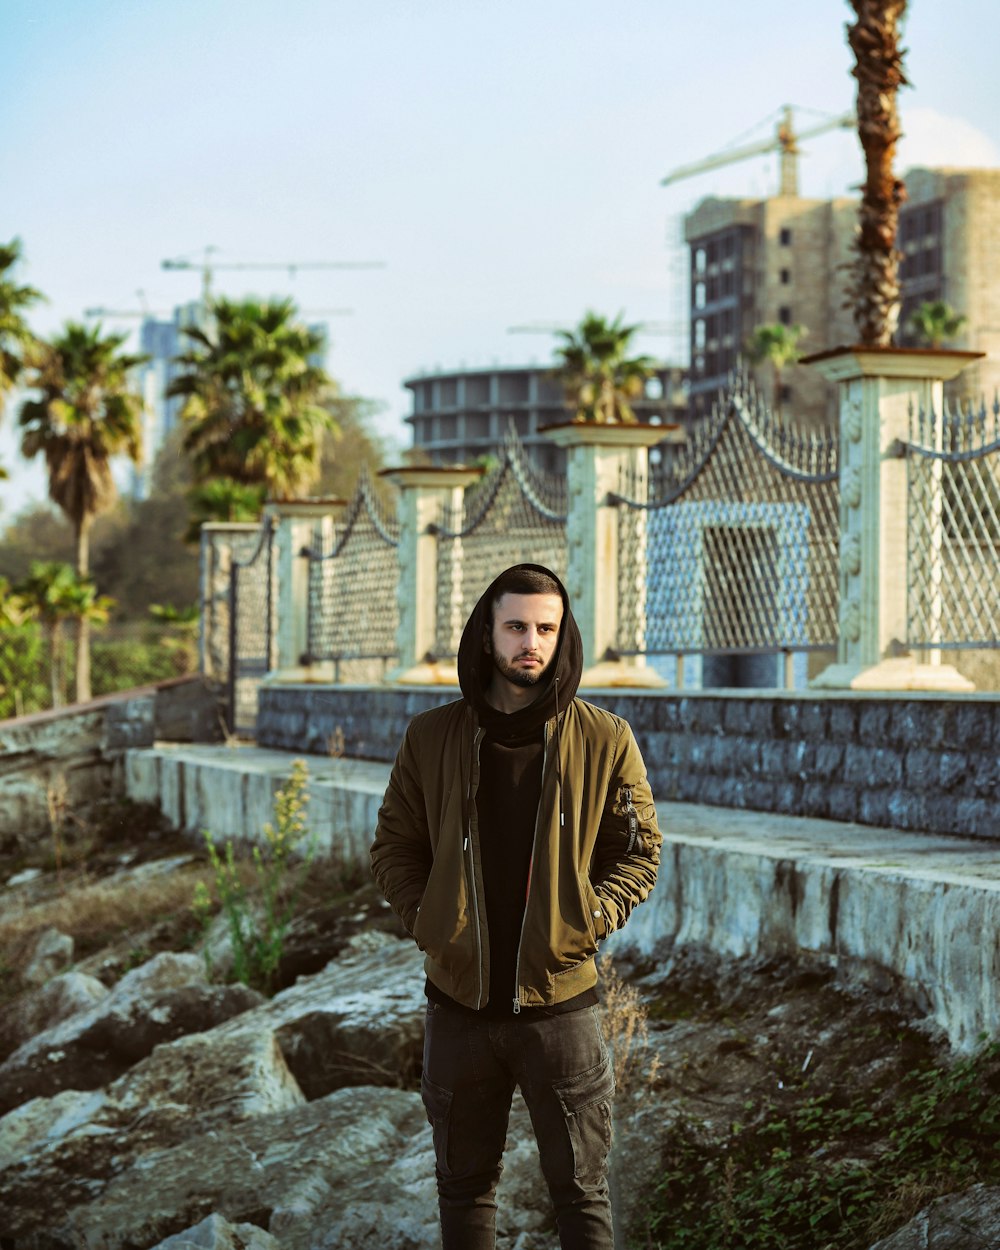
914,914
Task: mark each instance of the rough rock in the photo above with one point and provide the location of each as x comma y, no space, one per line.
50,953
157,1002
216,1233
967,1221
56,1151
34,1011
352,1169
359,1021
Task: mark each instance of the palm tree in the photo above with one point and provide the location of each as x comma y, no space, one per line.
874,39
253,393
598,376
935,321
222,499
48,593
87,413
16,340
778,346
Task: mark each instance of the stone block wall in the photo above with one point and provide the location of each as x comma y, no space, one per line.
921,762
71,758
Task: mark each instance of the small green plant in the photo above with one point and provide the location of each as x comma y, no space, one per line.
259,915
833,1170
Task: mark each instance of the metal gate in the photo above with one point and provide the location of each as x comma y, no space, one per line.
741,535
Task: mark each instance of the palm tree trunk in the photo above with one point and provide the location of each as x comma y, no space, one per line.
874,39
83,694
55,664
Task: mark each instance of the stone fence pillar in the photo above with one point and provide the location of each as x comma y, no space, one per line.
878,389
298,524
426,492
216,561
597,454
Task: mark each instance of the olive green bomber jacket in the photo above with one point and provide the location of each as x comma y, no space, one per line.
586,874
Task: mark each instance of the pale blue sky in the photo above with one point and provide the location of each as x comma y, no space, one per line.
503,159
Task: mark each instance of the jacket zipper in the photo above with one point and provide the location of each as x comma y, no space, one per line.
633,819
531,865
471,854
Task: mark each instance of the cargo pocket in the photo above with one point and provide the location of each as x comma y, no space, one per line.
437,1104
586,1106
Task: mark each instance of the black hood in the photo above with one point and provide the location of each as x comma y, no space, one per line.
558,686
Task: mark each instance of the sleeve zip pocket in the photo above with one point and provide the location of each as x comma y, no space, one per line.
632,816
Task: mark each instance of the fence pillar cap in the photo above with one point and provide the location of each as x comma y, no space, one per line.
441,477
608,434
840,364
310,506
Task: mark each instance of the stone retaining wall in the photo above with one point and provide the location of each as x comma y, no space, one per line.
68,759
924,762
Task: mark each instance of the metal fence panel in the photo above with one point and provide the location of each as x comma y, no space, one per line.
743,537
513,515
953,527
353,614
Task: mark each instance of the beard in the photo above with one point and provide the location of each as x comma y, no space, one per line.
518,676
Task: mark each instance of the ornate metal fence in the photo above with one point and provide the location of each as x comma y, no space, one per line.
742,538
251,628
953,527
513,514
353,613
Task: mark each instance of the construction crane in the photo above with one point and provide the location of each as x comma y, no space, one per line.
785,142
208,267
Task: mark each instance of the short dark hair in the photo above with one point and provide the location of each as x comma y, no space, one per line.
523,581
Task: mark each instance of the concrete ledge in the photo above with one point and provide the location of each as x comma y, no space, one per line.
229,792
915,915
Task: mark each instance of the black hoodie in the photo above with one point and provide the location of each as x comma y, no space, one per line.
511,754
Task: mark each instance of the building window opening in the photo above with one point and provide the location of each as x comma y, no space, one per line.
786,277
785,237
785,315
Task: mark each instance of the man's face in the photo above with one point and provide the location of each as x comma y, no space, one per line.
524,636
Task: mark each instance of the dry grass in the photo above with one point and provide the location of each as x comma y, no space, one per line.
624,1017
95,913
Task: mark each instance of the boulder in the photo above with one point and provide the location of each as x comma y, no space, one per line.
50,953
216,1233
957,1222
359,1021
354,1168
159,1001
56,1151
34,1011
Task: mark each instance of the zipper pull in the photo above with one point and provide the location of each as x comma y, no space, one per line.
517,1006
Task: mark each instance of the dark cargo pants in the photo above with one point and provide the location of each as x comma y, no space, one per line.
561,1064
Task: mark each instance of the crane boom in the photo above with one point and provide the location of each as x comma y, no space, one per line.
208,266
784,141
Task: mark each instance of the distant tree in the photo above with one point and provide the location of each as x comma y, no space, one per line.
349,447
87,412
599,377
52,594
874,288
21,659
253,398
935,322
16,340
776,345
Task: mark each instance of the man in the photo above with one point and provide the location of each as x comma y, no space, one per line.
516,833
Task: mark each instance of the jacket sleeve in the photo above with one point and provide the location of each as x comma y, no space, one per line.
627,852
401,853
